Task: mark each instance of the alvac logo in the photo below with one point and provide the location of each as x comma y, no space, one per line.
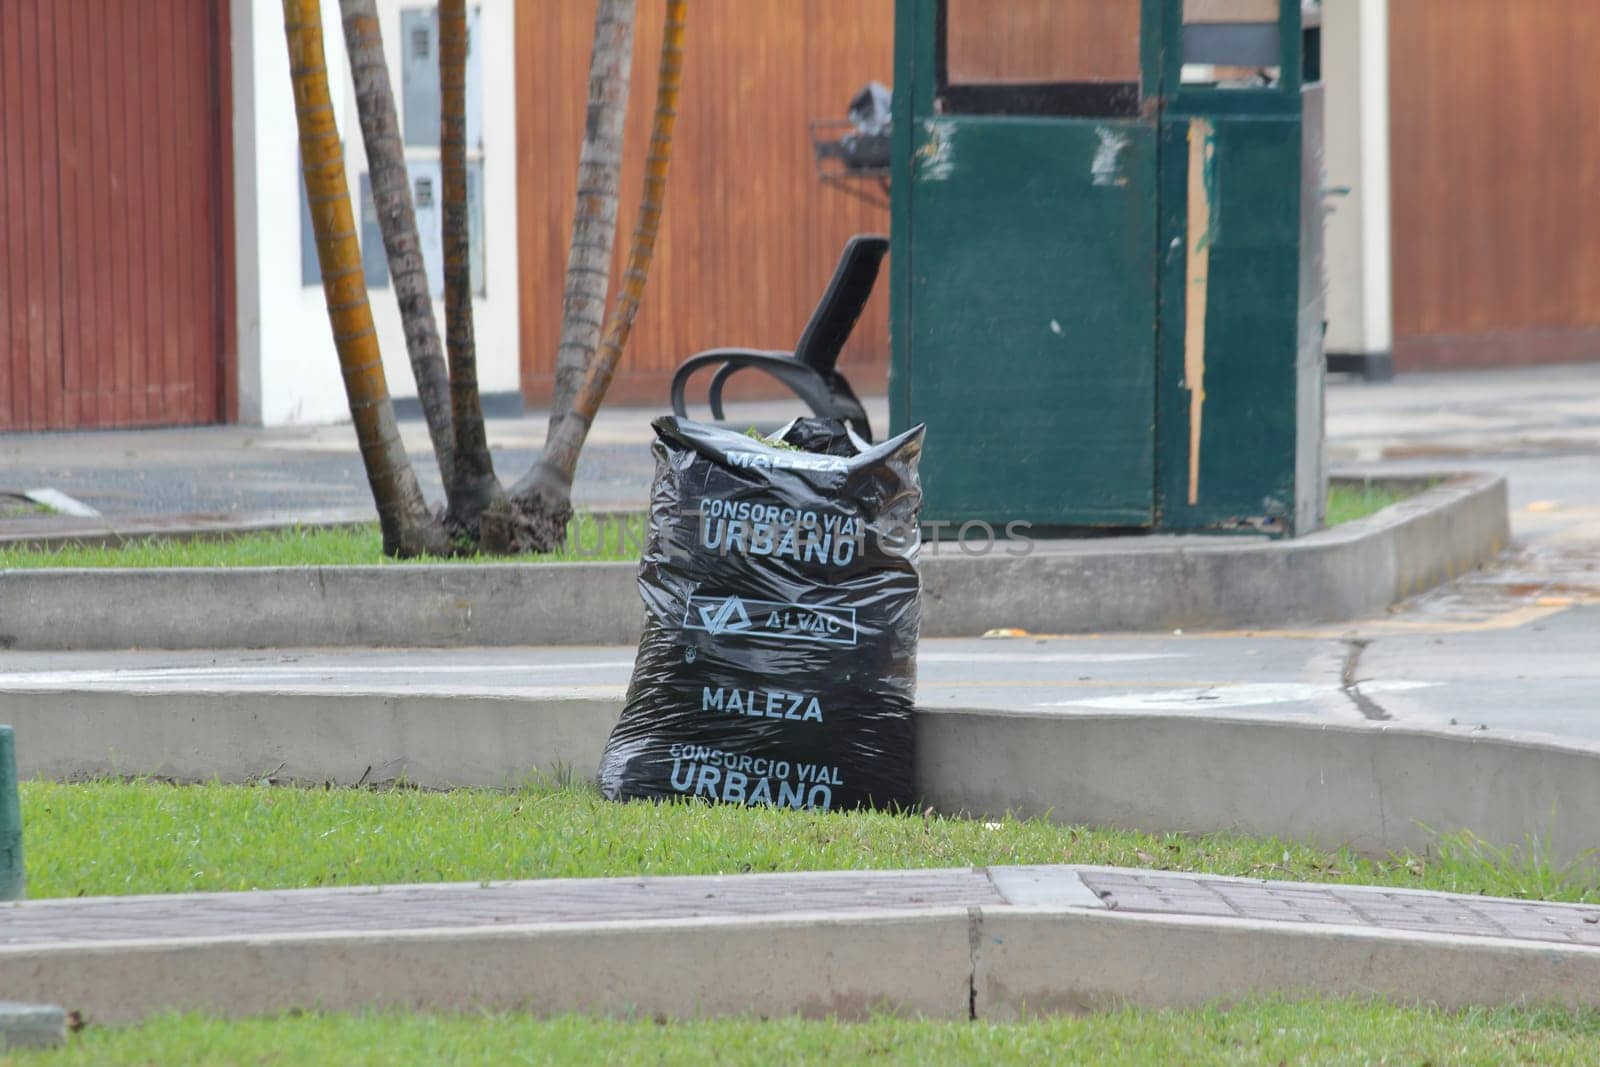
727,617
773,620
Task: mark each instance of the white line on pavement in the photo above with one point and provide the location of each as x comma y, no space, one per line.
247,672
419,688
1046,657
1212,698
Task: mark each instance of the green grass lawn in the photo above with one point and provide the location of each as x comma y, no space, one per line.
112,837
1270,1032
591,538
1348,502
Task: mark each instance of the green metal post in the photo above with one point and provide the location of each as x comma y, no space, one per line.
11,883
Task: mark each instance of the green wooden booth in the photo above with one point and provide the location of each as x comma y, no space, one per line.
1107,294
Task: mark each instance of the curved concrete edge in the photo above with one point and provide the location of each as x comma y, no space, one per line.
1352,570
1060,587
1378,788
994,963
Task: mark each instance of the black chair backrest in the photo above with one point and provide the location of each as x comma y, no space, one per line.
842,303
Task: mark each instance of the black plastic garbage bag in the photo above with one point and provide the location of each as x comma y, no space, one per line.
777,665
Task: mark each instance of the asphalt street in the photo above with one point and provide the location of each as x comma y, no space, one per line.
245,471
1512,647
1427,421
1503,663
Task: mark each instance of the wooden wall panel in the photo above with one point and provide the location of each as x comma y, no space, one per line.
1495,155
750,237
114,292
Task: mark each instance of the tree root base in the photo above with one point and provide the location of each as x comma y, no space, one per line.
417,533
515,527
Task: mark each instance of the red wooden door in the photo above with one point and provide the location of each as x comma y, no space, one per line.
115,277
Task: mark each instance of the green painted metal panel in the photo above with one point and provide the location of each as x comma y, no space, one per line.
11,882
1248,415
913,65
1031,322
1282,98
1039,304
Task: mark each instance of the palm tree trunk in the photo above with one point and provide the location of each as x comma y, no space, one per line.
474,486
544,495
408,527
594,224
391,196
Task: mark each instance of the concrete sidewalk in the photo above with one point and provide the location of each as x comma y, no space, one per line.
992,943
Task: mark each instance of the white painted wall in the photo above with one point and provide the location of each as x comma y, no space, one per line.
494,313
1355,56
288,370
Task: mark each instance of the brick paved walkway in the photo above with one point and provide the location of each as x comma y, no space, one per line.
1342,905
475,906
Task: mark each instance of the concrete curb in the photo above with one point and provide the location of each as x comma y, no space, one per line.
1376,787
1004,955
429,740
1159,961
1352,570
1103,584
812,965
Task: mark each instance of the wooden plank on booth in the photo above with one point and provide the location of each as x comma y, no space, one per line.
1202,148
